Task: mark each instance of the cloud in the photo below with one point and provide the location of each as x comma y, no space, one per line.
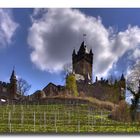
7,27
56,32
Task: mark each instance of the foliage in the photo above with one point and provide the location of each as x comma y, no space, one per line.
71,84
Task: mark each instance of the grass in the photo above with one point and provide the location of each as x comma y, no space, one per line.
60,119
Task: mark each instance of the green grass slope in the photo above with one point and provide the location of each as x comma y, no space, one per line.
60,119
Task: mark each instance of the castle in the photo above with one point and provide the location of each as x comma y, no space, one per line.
82,63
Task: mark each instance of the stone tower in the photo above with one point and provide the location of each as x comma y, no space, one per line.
122,82
13,85
82,63
122,87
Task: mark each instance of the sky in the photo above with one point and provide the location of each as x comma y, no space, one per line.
39,42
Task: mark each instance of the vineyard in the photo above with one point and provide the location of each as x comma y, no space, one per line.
58,118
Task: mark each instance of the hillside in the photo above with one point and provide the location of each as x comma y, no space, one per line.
60,118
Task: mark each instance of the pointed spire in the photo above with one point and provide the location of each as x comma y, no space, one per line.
83,44
74,53
122,77
13,76
91,51
96,79
139,87
82,48
84,37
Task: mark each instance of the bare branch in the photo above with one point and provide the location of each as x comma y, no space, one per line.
132,92
23,86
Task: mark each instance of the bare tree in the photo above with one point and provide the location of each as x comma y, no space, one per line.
133,85
134,77
23,87
67,68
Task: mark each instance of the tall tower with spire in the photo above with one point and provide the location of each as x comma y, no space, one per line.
123,82
13,85
82,62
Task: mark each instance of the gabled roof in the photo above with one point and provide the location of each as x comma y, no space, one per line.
50,84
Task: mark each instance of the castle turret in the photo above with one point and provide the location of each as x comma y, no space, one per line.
82,62
74,53
91,52
139,87
122,78
122,82
82,49
122,87
13,85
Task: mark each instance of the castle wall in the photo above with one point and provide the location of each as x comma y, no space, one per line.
53,100
100,91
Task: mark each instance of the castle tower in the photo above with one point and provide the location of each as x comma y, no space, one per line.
139,87
122,82
122,87
82,62
13,85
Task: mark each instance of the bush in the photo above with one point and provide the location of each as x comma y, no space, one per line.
121,112
82,94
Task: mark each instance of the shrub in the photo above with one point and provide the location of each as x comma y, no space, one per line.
82,94
121,112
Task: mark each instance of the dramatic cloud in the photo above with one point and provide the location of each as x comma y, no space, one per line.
56,32
7,27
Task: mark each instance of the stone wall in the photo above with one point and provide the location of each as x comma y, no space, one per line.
51,100
100,91
71,101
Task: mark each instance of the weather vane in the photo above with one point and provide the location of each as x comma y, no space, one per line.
123,71
84,37
14,67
